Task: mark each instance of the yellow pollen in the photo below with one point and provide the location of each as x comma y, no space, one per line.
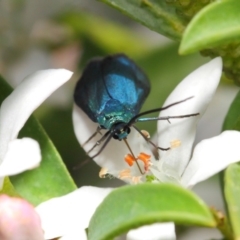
145,133
103,172
175,143
136,180
126,173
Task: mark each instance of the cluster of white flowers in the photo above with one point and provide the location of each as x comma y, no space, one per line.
68,216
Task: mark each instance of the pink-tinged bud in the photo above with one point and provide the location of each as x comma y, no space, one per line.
18,220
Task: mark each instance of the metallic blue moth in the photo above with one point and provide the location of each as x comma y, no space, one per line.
111,91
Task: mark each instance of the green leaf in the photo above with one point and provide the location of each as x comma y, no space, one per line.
134,206
154,14
232,120
8,188
49,180
232,195
232,173
214,25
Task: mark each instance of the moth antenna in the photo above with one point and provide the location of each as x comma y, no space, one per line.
166,118
156,110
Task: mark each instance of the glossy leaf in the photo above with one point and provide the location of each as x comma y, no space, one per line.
232,120
232,173
49,180
154,14
134,206
232,195
214,25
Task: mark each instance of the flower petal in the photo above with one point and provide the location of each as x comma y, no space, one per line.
157,231
18,220
112,157
180,133
22,154
20,104
64,215
75,234
212,155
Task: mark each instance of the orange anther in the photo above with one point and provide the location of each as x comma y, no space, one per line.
129,159
145,158
142,154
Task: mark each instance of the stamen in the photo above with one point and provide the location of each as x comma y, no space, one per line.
126,173
103,172
129,159
175,143
126,142
145,133
145,158
136,180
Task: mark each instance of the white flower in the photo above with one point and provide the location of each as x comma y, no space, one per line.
156,231
68,216
18,155
177,164
182,164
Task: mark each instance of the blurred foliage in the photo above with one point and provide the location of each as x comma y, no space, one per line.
187,9
156,15
231,176
206,25
232,195
8,188
215,31
232,120
100,36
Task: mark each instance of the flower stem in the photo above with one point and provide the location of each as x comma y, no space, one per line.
223,224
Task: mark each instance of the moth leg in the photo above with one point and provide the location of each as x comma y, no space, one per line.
150,142
99,141
93,135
